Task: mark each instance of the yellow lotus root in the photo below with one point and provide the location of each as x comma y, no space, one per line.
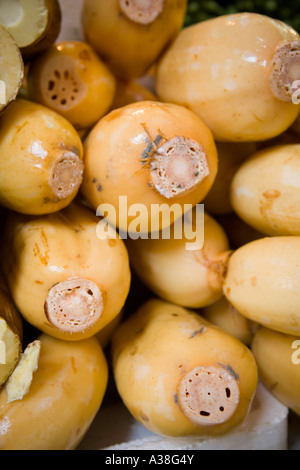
130,35
238,72
188,277
277,357
179,375
263,282
41,159
72,80
65,280
148,154
265,191
65,394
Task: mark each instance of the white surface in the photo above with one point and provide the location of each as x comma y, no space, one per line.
71,20
266,428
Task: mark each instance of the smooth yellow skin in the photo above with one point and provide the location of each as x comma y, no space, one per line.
277,357
190,278
226,317
65,394
265,191
129,48
263,282
231,156
160,343
115,165
43,251
33,139
83,86
220,69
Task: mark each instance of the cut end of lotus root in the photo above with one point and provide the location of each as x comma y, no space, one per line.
74,306
208,395
66,175
285,74
142,11
178,166
62,87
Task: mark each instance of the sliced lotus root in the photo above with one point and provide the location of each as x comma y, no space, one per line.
286,71
142,11
208,395
66,175
62,87
34,24
11,68
26,21
178,166
74,306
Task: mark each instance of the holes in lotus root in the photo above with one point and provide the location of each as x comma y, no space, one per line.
74,305
178,166
286,71
208,395
63,89
142,11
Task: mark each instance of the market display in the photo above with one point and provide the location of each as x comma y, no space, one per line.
149,217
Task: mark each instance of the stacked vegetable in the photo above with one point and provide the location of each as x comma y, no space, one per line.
80,131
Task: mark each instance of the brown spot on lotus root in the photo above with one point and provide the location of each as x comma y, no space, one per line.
144,417
85,55
198,332
272,386
271,194
133,351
